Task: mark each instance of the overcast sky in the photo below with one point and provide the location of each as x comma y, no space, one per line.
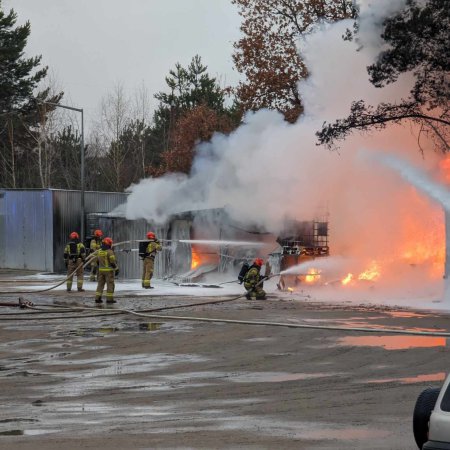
90,45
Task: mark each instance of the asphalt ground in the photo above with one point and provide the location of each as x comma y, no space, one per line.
122,381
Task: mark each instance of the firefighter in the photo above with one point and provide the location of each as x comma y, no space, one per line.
149,259
253,281
96,243
74,256
107,268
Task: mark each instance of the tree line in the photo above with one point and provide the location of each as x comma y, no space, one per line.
40,144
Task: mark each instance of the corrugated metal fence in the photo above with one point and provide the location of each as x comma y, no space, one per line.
35,224
26,231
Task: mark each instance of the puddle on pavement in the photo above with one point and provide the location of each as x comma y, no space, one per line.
393,342
17,420
105,330
407,314
25,432
276,377
272,427
260,339
440,376
96,374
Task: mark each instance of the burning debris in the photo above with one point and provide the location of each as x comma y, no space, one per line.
301,242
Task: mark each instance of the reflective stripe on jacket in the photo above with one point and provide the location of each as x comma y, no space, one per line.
106,260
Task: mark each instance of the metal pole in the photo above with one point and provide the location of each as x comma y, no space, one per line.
82,177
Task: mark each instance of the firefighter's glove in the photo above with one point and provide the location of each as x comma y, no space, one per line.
117,272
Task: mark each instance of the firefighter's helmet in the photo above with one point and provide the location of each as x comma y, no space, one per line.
258,262
98,233
74,235
108,241
151,235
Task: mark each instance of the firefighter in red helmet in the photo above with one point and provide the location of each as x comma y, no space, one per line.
253,281
152,249
74,256
95,245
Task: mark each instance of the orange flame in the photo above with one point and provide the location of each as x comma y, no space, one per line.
195,259
347,279
444,167
371,274
314,275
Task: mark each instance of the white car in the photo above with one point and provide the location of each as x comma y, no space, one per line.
431,419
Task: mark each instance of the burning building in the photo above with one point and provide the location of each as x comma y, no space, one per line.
195,243
301,242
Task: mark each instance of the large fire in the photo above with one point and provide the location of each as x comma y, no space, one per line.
417,241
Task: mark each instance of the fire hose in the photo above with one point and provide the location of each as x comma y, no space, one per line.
86,262
148,314
143,314
119,311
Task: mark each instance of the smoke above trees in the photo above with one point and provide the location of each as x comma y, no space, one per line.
268,170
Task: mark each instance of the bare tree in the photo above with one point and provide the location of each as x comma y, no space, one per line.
115,115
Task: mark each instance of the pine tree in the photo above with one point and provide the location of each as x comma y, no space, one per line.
20,113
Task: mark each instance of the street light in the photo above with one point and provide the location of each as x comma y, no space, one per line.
80,110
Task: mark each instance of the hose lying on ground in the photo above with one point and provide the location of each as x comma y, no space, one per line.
87,261
148,314
252,322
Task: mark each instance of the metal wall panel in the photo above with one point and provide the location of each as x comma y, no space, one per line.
67,215
26,230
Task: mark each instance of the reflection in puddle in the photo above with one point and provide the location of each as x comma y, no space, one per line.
260,339
393,342
407,314
276,377
102,331
25,432
271,427
440,376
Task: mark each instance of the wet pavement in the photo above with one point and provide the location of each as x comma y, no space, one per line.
123,382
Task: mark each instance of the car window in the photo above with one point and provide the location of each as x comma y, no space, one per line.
445,404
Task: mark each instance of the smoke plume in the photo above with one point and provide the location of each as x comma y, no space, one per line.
269,170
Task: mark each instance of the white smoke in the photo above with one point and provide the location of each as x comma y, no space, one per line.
269,170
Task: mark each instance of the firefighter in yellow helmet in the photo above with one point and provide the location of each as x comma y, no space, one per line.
152,249
253,281
95,245
74,256
107,268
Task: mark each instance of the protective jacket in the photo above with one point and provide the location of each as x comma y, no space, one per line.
252,277
96,244
74,250
152,248
106,259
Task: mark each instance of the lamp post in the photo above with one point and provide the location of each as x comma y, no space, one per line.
80,110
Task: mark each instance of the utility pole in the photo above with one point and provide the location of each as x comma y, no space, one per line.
82,187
